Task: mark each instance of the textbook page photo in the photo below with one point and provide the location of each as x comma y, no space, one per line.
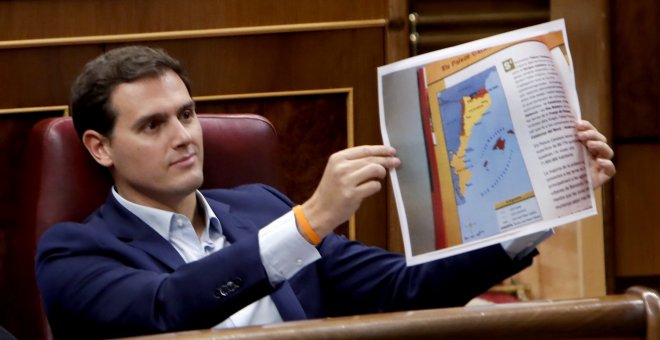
486,136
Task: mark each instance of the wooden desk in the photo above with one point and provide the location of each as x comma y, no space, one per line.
633,315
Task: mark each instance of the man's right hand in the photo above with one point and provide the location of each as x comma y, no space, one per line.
350,176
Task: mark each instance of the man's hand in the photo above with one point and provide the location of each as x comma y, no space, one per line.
350,176
600,154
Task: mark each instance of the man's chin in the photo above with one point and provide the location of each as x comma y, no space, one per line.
190,184
197,182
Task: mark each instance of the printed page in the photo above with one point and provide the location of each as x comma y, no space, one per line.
486,134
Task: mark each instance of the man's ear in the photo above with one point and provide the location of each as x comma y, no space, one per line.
98,146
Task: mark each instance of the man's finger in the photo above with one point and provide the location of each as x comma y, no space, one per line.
600,149
588,135
364,151
607,167
584,125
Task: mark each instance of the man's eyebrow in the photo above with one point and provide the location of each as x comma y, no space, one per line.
161,115
143,120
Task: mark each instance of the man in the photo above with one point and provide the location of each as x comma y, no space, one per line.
161,256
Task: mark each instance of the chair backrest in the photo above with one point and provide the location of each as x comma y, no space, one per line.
61,182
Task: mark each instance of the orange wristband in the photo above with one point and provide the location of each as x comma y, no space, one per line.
304,224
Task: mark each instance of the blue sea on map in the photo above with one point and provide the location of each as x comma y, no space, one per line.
492,155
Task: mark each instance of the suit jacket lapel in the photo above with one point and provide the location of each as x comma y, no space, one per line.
232,227
130,229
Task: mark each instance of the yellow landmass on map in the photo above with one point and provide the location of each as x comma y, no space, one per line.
474,108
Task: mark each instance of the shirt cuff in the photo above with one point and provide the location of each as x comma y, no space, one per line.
523,246
283,250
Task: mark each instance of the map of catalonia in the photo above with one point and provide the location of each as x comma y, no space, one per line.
473,109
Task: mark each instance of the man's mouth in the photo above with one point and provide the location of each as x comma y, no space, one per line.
185,161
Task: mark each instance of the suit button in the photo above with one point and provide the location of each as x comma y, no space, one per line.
221,291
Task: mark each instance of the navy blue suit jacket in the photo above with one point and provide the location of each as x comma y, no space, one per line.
113,275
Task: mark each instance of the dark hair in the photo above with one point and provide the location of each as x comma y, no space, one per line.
90,94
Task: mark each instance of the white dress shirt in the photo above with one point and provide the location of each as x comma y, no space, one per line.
283,251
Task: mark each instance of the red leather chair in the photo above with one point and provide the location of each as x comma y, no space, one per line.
63,183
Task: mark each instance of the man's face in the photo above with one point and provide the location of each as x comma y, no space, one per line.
156,146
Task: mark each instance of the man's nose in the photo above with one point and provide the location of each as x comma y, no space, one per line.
181,133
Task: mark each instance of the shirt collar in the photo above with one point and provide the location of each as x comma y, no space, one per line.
160,220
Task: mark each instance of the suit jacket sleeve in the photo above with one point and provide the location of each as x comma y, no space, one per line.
359,279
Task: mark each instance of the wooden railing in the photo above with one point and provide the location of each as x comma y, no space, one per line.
633,315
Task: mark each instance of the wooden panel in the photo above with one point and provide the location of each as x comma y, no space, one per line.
40,76
636,49
398,30
637,217
587,25
635,235
70,18
280,62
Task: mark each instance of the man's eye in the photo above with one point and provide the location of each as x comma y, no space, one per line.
150,126
187,114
